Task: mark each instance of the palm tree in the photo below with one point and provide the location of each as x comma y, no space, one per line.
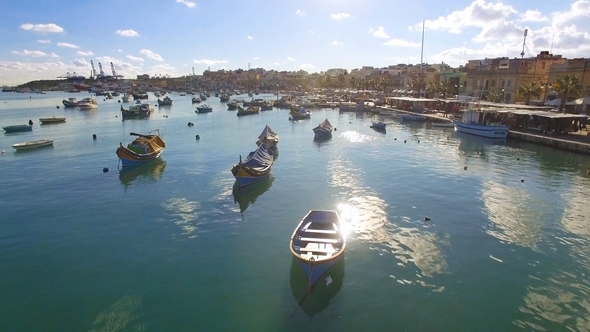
353,82
529,90
418,85
567,86
495,95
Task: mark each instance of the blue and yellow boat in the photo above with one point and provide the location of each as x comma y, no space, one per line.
255,168
143,149
318,243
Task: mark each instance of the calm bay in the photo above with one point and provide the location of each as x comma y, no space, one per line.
172,246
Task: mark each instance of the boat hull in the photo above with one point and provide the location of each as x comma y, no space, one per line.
321,133
153,147
245,180
488,131
51,120
32,144
17,128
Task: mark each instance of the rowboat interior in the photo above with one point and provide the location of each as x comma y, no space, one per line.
320,242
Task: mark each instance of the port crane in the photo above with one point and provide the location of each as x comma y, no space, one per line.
114,72
93,73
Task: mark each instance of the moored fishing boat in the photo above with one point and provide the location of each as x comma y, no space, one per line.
32,144
195,100
255,168
378,125
87,104
70,102
248,111
167,101
268,137
300,114
323,130
481,122
413,117
127,98
318,243
204,109
51,120
143,149
17,128
142,109
232,105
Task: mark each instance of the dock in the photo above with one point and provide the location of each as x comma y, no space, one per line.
578,142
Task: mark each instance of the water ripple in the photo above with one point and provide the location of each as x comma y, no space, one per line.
184,214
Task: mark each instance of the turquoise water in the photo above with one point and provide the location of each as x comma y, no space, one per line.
173,247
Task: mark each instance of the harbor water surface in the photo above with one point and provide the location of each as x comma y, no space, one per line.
447,232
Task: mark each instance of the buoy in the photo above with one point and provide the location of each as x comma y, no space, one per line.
465,168
404,141
118,101
197,137
395,138
104,170
57,106
30,122
335,128
3,151
115,116
93,136
426,218
517,158
418,141
521,180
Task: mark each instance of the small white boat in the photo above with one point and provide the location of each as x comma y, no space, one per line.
87,104
127,98
32,144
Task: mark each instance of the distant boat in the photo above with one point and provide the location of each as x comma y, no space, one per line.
143,109
223,97
32,144
255,168
17,128
196,100
51,120
323,130
143,149
413,117
165,102
70,102
87,104
477,121
378,125
359,107
300,114
248,111
204,109
232,105
318,243
268,137
127,98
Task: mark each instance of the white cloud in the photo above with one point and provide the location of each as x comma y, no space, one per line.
339,16
34,54
336,43
209,62
379,33
311,31
306,66
477,14
290,59
255,58
127,33
80,63
533,16
299,12
189,4
151,55
400,42
134,58
43,41
276,63
500,30
250,37
82,53
42,27
68,45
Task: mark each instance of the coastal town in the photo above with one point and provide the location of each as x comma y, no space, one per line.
542,99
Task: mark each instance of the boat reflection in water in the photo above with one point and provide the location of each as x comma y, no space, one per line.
149,172
314,300
248,195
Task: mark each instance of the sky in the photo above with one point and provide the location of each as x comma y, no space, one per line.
46,39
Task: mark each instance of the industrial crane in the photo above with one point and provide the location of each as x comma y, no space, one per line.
101,74
93,74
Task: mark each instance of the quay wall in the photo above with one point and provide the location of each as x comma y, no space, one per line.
558,143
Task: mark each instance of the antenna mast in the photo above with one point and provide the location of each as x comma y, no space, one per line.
523,43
